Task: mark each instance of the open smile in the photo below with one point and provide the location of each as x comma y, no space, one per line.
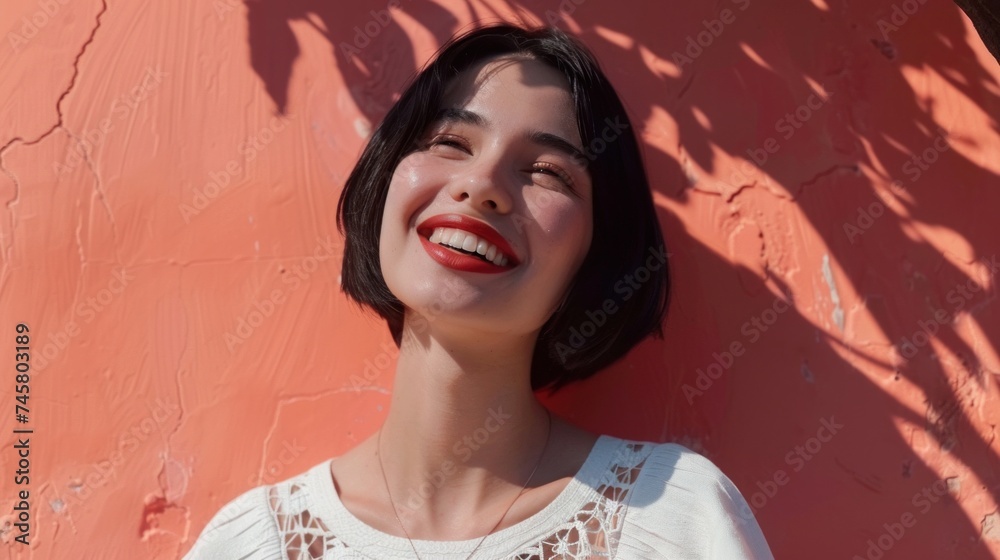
469,244
462,243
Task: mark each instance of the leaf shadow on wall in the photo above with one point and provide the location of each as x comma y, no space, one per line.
740,93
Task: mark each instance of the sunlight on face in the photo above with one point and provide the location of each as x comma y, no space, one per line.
503,159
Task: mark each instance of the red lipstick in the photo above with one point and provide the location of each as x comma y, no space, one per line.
461,261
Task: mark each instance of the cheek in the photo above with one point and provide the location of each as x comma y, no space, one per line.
399,198
414,183
562,220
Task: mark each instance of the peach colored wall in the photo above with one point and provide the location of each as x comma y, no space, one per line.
170,172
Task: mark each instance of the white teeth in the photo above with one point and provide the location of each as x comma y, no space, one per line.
466,241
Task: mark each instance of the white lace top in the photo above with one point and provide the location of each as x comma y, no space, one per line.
629,500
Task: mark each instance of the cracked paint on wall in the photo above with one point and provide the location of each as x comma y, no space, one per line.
825,177
837,315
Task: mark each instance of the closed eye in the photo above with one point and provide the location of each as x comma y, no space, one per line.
553,170
447,141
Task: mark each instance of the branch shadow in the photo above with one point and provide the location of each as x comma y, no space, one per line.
865,120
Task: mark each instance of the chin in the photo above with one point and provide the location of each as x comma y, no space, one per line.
470,314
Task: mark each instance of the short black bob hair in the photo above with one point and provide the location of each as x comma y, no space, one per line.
620,294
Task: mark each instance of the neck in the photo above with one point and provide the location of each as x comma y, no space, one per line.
464,431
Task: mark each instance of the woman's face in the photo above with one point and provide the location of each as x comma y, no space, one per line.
501,171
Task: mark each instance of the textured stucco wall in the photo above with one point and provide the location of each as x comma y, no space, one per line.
170,172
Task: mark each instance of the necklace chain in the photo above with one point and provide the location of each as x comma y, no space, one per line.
393,504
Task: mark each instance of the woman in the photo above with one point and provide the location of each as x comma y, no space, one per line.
501,223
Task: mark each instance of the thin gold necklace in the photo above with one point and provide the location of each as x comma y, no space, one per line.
393,504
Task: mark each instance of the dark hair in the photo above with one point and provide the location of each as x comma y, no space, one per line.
611,305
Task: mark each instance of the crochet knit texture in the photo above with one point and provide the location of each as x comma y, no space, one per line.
629,500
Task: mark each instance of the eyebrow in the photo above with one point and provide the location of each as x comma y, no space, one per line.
558,143
455,114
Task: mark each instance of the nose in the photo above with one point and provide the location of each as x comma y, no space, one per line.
485,185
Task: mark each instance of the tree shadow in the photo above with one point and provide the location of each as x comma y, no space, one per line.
738,94
370,47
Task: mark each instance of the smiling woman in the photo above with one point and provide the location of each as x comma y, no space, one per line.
497,168
490,218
